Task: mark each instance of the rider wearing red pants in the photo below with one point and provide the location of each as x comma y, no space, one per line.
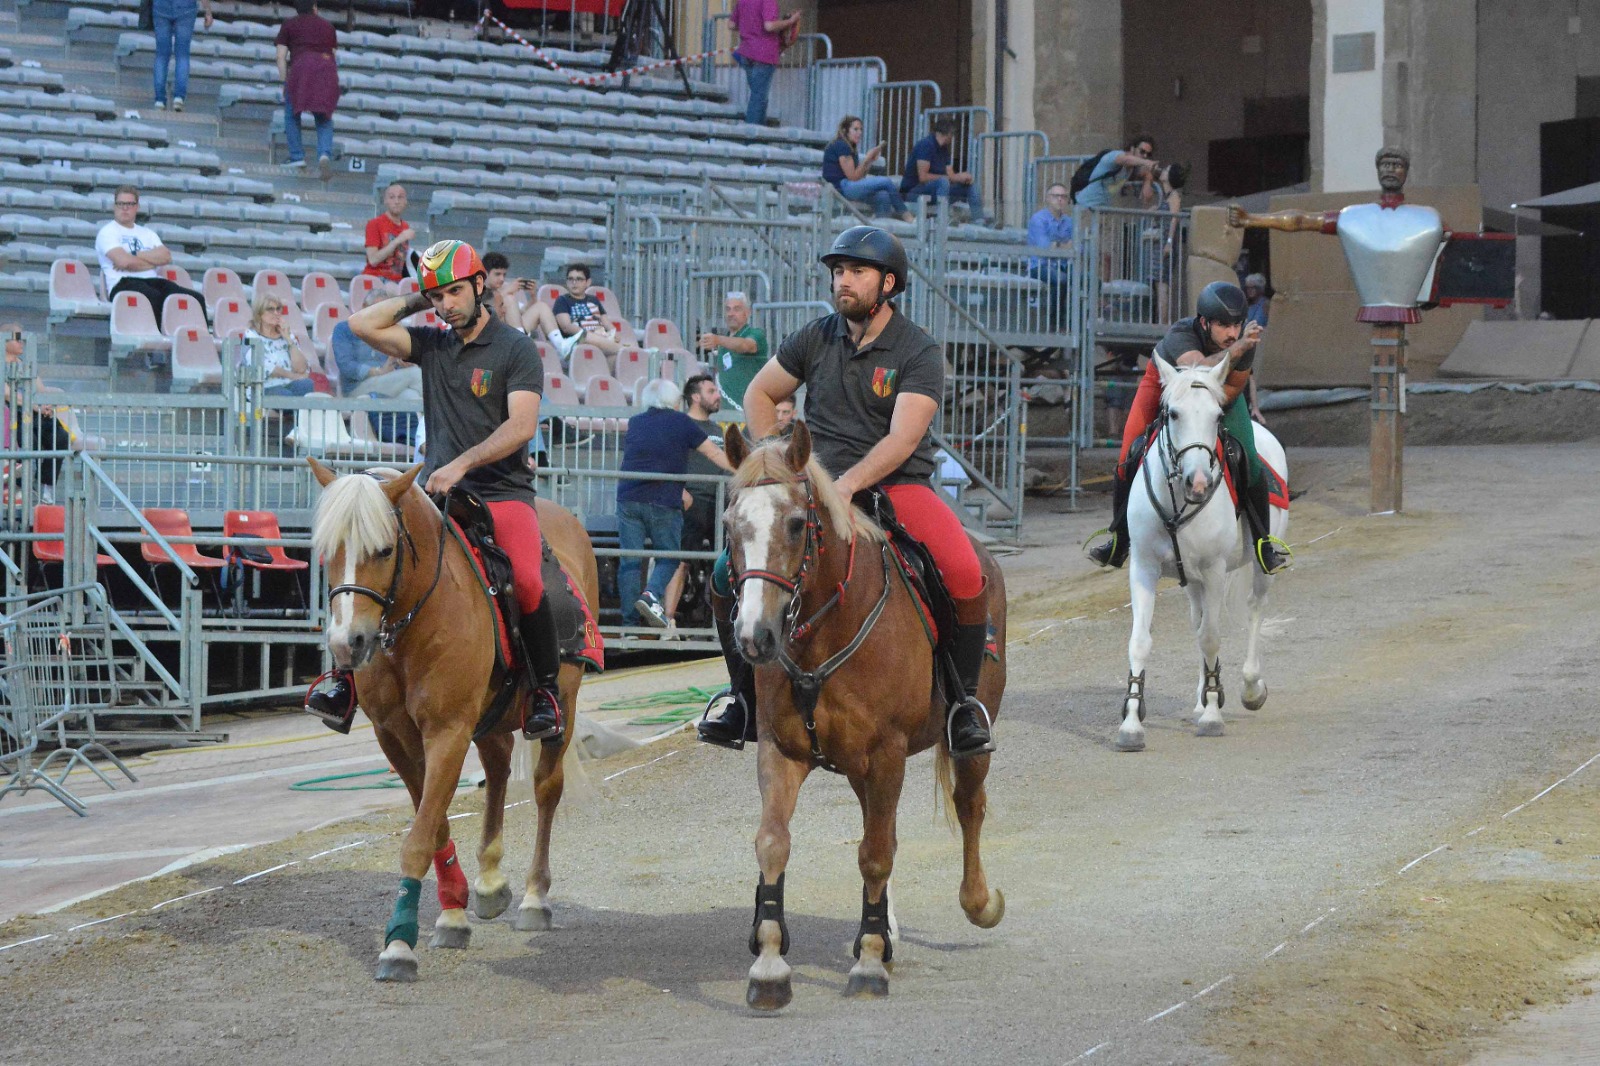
874,382
481,385
1217,331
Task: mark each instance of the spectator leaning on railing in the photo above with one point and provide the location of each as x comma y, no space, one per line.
173,24
132,255
740,353
852,176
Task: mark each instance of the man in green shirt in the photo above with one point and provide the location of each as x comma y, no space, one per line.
737,354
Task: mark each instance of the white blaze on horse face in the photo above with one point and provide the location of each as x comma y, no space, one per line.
757,511
342,610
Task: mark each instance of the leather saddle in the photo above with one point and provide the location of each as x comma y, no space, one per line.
916,567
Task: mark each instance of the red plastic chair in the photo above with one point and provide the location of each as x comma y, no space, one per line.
262,524
174,522
51,518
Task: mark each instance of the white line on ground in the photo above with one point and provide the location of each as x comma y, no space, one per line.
641,766
189,895
268,870
30,940
1419,858
99,921
1213,986
1162,1014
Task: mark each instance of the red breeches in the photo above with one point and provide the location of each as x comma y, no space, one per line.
931,521
1146,405
516,530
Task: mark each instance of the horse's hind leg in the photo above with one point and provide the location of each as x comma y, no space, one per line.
549,780
880,801
984,906
1255,688
492,893
1205,601
780,779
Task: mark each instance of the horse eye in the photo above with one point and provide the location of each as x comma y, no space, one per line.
797,526
1172,416
385,553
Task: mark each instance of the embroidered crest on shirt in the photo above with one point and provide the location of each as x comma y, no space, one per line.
883,380
480,382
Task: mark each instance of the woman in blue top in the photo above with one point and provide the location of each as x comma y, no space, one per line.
844,171
174,26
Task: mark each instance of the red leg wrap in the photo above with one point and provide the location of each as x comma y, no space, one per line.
453,892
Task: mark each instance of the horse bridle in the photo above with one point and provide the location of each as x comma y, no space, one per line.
1180,513
807,684
389,632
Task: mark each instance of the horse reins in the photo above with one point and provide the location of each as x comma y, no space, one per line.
389,632
1181,512
807,684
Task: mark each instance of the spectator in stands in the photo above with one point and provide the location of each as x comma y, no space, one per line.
49,429
512,300
288,369
740,353
579,315
1159,238
131,255
658,441
364,372
1113,170
310,81
1255,290
928,174
388,236
762,36
785,414
1050,228
851,176
700,497
174,28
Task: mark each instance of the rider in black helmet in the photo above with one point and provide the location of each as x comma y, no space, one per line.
1216,331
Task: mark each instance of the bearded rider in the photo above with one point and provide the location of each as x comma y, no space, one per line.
874,382
1216,332
481,386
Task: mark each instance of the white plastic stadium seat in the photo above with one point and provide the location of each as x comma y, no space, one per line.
223,284
182,312
323,321
362,287
194,357
633,366
588,362
549,359
177,275
559,390
231,316
72,290
273,281
133,323
318,288
662,333
608,301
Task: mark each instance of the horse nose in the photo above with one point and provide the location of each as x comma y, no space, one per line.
351,650
761,645
1198,484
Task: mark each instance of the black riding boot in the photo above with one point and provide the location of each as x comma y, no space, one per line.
543,649
1272,554
729,720
967,722
1114,552
332,698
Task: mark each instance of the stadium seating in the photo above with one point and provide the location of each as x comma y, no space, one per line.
72,291
181,312
263,524
318,288
550,360
231,317
195,360
174,522
559,390
323,322
177,275
223,284
588,362
662,333
50,522
134,326
633,366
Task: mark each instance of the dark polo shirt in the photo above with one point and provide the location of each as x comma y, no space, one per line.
850,395
1187,336
465,391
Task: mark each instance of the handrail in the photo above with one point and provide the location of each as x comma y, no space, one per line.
144,523
97,593
149,593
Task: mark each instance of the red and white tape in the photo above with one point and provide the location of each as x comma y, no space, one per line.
595,79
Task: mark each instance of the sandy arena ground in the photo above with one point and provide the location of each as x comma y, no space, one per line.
1353,874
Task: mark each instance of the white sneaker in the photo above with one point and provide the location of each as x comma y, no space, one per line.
177,103
160,105
651,612
324,168
295,164
672,630
564,345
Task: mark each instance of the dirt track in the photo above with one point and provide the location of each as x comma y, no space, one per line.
1429,672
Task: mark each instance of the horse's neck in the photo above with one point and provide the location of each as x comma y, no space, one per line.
831,567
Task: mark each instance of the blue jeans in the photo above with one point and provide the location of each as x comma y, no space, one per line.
758,76
941,188
883,192
173,35
290,387
663,527
291,134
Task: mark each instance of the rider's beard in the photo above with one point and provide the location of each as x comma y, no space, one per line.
851,307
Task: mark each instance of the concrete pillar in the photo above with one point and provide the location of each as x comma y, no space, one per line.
1077,83
1430,87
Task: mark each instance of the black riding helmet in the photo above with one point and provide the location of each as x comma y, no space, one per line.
871,245
1222,302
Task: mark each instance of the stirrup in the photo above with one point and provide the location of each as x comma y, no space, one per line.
713,730
1280,547
1114,551
982,713
319,705
549,733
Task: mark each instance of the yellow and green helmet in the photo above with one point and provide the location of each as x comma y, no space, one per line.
445,263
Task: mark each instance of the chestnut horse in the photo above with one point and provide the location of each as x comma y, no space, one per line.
424,660
827,622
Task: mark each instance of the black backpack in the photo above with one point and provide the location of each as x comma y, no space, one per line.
1085,171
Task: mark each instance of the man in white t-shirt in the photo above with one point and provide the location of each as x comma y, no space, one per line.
131,255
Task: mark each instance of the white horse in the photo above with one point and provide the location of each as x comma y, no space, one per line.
1181,524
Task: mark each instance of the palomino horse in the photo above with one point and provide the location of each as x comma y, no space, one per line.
1180,525
844,680
424,660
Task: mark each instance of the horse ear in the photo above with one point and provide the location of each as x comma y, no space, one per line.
1165,369
799,453
325,477
734,447
397,487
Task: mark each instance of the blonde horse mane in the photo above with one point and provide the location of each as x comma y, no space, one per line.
770,462
1195,377
354,514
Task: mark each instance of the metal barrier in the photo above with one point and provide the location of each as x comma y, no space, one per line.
970,123
839,87
893,117
1051,170
1005,173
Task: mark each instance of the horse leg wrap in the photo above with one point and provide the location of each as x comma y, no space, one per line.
875,922
403,923
769,908
1135,692
453,892
1214,683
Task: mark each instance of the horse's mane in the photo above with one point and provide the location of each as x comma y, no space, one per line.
1188,378
354,513
770,462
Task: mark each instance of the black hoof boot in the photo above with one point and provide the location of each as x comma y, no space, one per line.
332,698
544,717
968,729
723,724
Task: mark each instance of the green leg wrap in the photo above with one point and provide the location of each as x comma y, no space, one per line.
1236,420
403,923
722,576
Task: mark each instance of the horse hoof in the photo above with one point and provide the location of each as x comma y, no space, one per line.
1130,741
1257,702
449,936
1208,729
874,985
991,914
399,970
488,905
535,919
768,993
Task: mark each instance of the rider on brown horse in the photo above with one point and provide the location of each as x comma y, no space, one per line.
874,382
481,384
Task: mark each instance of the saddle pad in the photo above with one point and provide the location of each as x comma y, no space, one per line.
1277,484
502,632
913,579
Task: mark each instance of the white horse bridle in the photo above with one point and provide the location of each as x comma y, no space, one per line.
1179,513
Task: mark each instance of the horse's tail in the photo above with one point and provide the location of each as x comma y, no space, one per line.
944,786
